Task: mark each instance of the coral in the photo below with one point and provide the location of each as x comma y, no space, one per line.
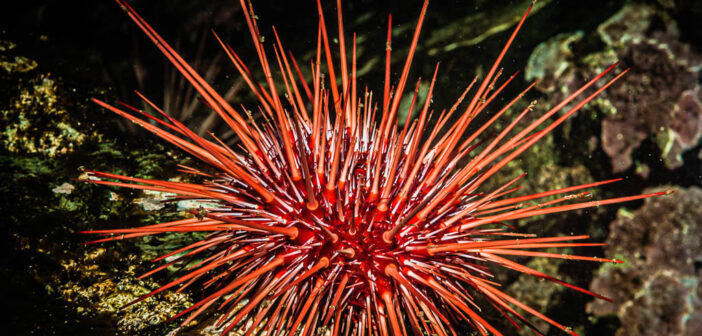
656,290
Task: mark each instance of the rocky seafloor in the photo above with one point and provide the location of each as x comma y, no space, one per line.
645,129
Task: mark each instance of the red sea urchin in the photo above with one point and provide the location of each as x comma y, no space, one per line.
331,220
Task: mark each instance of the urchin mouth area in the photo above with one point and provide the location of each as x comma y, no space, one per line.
339,244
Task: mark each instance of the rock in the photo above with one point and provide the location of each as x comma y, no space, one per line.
648,101
656,291
551,59
659,97
36,121
95,288
66,188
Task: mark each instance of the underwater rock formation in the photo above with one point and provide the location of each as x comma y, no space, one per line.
35,118
647,102
551,59
16,63
95,288
48,130
658,98
476,27
656,291
35,121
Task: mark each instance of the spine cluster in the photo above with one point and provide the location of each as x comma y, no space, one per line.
334,215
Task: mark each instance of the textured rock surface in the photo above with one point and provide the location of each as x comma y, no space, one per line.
657,289
647,103
49,131
658,98
36,122
96,288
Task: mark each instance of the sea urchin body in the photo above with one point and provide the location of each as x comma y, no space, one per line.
332,217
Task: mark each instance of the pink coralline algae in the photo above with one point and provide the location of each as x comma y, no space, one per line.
660,98
657,290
